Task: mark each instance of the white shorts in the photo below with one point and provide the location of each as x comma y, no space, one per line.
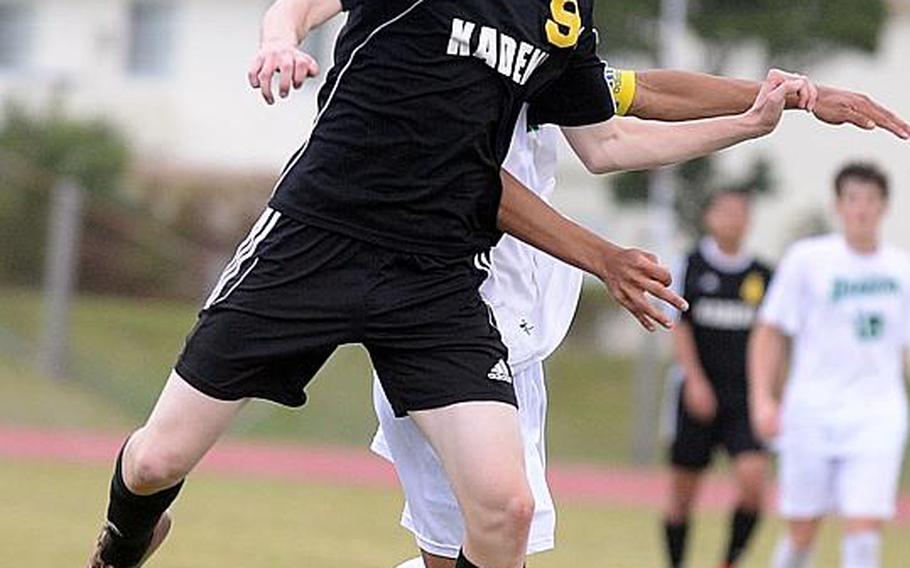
431,512
842,462
813,484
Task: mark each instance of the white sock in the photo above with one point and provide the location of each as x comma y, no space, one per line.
861,550
412,563
788,556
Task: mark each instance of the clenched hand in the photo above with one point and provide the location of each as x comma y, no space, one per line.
769,105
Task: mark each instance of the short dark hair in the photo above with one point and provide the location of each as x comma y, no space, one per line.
861,171
711,198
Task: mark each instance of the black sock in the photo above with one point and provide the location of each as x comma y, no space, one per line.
133,518
463,562
742,525
675,534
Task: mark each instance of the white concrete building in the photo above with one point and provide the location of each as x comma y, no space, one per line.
805,154
172,73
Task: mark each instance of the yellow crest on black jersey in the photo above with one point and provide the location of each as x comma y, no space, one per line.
752,290
564,24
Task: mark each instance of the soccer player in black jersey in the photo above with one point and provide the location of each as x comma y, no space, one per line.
376,234
724,286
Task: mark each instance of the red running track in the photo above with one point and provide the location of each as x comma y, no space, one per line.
585,484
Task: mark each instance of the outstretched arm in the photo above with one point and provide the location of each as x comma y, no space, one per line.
629,274
630,144
284,27
666,94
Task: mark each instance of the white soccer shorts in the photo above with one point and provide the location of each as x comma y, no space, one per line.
431,512
814,484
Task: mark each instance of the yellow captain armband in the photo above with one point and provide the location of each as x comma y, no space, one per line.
622,85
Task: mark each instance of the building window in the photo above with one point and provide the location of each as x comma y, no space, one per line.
151,37
15,35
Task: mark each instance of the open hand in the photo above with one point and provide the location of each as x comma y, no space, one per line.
631,275
837,106
292,65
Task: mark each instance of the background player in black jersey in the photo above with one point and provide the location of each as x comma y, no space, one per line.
724,286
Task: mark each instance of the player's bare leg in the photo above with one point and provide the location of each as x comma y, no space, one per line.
803,531
750,470
428,560
481,450
150,470
183,426
433,561
684,485
861,543
794,550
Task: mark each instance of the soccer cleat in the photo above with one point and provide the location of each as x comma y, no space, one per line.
105,540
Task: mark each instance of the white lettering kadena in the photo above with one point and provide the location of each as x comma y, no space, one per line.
501,52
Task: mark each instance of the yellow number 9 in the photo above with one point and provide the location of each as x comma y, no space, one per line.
564,26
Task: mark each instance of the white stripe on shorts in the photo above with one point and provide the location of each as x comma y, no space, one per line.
247,248
480,263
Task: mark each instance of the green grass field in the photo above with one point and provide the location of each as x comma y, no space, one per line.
124,348
49,515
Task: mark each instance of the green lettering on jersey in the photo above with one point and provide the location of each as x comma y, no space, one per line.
870,326
872,286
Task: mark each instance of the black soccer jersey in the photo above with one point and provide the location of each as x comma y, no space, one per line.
723,305
417,116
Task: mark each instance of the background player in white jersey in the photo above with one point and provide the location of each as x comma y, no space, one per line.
724,286
534,296
841,303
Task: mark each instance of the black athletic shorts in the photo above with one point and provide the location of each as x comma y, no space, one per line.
694,441
294,292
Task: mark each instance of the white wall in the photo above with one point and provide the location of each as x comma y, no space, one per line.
201,114
805,155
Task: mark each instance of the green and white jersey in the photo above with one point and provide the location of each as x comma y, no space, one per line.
848,315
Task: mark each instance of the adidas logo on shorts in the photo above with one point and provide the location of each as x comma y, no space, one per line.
500,372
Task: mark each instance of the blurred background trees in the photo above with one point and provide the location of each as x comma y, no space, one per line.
37,150
792,35
128,249
790,32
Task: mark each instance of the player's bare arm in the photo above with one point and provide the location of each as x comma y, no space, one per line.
666,94
697,392
631,144
631,275
284,27
768,348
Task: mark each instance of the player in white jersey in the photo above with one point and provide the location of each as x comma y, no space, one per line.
842,303
533,297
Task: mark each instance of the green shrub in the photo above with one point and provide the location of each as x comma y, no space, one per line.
37,150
